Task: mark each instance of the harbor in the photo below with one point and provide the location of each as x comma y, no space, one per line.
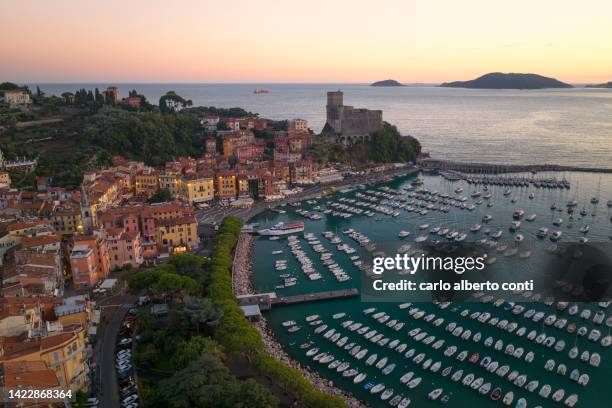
504,346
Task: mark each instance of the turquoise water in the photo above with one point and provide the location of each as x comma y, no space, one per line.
584,186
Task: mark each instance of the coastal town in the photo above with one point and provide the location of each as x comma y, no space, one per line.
66,253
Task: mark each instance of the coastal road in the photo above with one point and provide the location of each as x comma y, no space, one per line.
105,352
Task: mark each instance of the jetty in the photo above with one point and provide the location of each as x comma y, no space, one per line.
265,301
313,297
430,164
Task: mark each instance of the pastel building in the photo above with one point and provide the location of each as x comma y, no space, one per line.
124,248
197,189
89,260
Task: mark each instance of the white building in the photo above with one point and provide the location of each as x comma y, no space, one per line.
329,175
298,124
16,97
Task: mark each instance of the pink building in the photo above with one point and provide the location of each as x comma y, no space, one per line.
124,248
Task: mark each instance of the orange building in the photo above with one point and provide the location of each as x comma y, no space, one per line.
89,260
225,183
64,353
146,182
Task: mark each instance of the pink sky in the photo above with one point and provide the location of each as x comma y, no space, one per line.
296,41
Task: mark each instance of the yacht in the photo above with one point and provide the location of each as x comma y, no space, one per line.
435,394
283,228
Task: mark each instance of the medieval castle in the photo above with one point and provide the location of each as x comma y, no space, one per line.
350,124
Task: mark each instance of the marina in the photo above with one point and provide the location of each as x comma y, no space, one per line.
495,347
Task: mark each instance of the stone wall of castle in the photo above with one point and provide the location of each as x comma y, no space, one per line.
350,123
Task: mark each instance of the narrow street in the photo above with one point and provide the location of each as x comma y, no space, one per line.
106,376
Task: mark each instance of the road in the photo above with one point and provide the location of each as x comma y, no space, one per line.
105,352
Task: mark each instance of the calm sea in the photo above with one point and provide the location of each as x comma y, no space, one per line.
569,126
383,229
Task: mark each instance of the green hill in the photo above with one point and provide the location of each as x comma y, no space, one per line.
387,82
499,80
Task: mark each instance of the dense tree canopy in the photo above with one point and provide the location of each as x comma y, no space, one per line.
161,196
206,382
385,146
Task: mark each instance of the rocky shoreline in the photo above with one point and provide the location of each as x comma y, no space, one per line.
242,283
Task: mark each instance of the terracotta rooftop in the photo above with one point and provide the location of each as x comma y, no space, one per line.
25,374
32,242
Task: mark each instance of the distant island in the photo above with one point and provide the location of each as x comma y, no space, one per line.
387,82
604,85
499,80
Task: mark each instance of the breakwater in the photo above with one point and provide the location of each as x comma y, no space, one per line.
498,168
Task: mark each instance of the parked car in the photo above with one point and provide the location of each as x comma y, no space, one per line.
127,391
124,369
123,364
125,341
92,402
129,399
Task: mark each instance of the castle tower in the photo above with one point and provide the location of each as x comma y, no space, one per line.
335,107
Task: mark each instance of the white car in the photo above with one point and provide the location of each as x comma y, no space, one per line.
130,399
125,341
123,366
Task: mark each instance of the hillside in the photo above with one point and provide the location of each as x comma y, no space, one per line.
387,82
499,80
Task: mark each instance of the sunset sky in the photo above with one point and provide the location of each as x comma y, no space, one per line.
302,41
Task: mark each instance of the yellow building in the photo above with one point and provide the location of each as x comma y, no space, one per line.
178,234
197,189
146,182
170,180
64,353
5,179
67,221
298,124
226,186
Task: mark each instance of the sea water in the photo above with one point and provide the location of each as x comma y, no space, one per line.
382,228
